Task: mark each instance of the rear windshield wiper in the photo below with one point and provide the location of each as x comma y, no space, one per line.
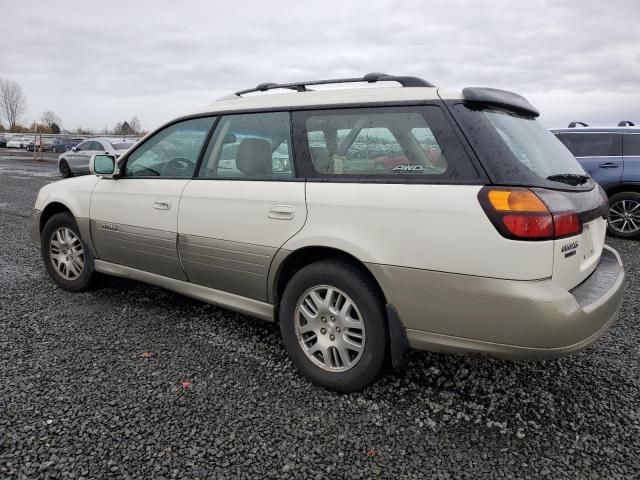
569,178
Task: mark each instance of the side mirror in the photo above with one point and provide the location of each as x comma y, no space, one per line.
230,138
73,149
102,165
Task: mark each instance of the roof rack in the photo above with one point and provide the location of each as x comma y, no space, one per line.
368,78
626,123
575,124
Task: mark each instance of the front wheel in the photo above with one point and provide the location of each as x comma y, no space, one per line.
624,215
333,325
67,258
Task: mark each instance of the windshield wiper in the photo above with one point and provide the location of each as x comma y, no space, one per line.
569,178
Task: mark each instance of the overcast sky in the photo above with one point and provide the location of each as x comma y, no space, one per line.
96,63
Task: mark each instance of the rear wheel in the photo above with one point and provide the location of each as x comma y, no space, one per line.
65,170
333,325
624,215
66,257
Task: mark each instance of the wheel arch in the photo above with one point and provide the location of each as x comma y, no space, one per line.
50,210
285,265
625,187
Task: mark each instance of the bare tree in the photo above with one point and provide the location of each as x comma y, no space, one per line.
13,103
134,123
49,118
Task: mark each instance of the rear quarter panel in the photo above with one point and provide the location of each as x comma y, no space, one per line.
432,227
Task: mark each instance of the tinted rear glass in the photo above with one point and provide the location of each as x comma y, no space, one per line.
517,149
631,144
587,144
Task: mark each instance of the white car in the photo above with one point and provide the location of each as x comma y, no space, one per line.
19,142
76,160
365,221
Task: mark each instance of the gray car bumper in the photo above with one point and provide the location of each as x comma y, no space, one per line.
506,318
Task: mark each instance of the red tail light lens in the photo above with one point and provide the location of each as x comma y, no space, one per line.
519,213
566,224
529,226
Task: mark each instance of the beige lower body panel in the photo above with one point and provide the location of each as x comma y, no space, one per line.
228,300
140,248
509,318
236,267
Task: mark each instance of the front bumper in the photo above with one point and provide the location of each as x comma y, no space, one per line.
34,227
505,318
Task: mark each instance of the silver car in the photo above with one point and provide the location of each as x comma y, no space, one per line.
76,160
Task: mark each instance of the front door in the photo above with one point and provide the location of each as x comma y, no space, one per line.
243,205
134,218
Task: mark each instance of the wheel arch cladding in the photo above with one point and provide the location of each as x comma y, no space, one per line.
50,210
302,257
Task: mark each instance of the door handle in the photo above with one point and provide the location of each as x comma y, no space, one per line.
162,204
609,165
281,212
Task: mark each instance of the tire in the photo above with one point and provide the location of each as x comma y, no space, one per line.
322,367
64,168
623,220
57,229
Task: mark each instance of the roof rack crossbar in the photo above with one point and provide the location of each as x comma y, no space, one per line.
368,78
626,123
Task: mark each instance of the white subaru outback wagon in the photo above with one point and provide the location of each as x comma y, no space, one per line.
366,221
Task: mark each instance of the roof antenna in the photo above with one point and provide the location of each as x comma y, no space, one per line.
575,124
626,123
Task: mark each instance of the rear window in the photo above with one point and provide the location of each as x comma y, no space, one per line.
384,143
519,150
591,144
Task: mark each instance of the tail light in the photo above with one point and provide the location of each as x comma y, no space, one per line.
521,214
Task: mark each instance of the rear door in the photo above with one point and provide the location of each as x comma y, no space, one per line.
244,204
599,153
78,160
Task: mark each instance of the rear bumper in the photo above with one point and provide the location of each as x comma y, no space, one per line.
505,318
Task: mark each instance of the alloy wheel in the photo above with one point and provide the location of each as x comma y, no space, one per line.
330,328
624,216
66,253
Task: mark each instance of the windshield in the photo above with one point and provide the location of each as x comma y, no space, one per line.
519,149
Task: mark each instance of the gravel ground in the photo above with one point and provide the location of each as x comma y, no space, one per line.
133,381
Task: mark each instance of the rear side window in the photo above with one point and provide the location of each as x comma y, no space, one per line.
631,145
383,143
587,144
251,146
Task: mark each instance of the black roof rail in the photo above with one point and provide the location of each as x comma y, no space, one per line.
374,77
575,124
626,123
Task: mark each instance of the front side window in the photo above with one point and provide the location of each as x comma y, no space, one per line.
590,144
172,152
252,146
83,146
403,142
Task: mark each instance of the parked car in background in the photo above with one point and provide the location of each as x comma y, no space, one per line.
76,160
62,144
44,144
611,155
19,142
3,141
404,217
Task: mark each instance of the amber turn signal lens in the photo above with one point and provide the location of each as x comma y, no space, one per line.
516,201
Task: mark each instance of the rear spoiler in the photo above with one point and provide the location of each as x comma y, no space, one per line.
500,98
